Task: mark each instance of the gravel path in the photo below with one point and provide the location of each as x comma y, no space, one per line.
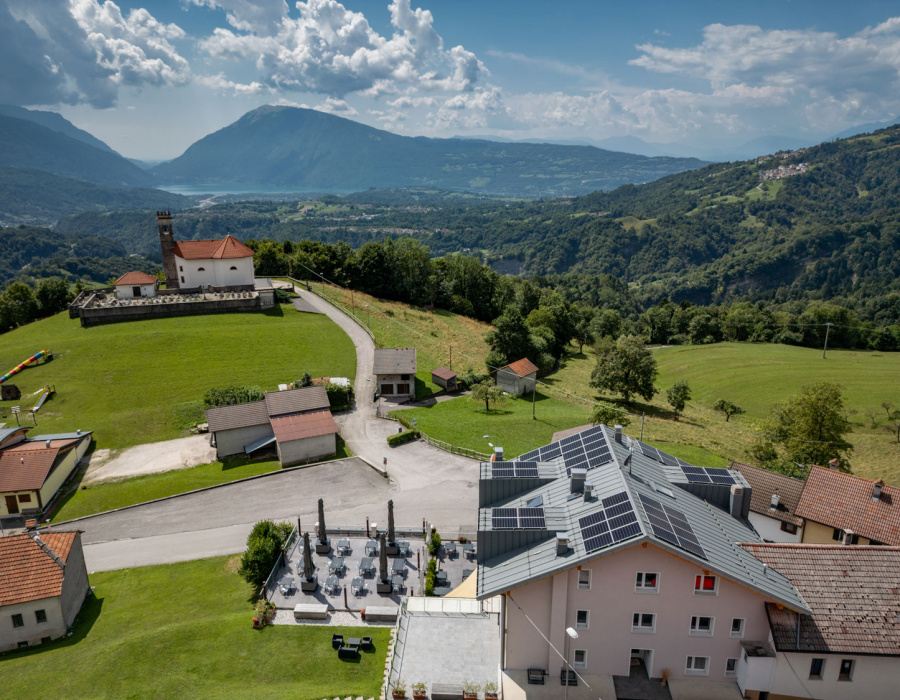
152,458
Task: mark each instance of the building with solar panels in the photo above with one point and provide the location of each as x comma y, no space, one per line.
633,550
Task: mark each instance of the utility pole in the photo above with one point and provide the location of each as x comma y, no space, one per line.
642,427
827,331
533,394
451,357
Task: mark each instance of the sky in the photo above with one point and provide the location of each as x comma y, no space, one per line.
150,77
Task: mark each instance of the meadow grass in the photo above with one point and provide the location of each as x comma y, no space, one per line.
144,381
140,489
184,631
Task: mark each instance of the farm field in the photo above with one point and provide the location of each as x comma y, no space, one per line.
431,332
184,631
128,492
144,381
756,376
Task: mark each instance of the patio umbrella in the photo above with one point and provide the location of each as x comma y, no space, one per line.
382,560
390,532
323,539
307,559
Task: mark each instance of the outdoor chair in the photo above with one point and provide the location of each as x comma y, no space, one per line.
337,640
366,643
348,652
536,676
572,678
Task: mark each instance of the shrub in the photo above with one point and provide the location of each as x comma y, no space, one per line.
233,395
435,545
400,438
263,549
304,381
405,422
338,396
282,296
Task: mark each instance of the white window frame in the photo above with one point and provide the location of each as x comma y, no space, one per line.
584,585
642,629
579,664
738,634
697,631
701,591
587,620
733,672
640,582
691,670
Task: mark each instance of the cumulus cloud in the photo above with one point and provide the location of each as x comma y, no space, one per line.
335,51
221,83
335,106
83,51
249,15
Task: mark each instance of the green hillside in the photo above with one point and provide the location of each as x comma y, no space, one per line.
139,382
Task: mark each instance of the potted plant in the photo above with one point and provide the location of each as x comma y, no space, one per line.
399,689
420,690
665,678
470,689
490,690
257,625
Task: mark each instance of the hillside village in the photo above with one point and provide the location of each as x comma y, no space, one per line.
593,565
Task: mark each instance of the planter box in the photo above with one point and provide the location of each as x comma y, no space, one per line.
309,586
323,548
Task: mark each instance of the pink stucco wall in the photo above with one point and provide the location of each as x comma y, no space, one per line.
552,604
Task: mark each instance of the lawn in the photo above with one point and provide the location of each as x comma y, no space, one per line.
184,631
756,376
144,381
463,423
103,497
431,332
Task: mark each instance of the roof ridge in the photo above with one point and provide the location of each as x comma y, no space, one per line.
36,538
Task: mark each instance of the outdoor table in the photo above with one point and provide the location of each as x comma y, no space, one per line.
354,642
286,584
336,564
441,576
366,565
452,549
371,548
343,546
404,547
398,566
356,585
331,583
441,590
469,548
397,583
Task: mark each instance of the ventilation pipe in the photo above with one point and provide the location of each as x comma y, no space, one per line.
48,444
848,537
588,491
876,490
498,454
562,543
834,464
619,434
578,479
736,505
775,500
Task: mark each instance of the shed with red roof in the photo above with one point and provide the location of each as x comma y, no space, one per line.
518,377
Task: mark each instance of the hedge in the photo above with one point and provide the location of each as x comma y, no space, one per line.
400,438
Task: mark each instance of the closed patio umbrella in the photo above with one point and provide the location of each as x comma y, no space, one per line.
323,538
390,533
308,570
382,561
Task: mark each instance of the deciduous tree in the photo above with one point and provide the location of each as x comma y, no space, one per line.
728,408
626,368
610,415
678,396
488,392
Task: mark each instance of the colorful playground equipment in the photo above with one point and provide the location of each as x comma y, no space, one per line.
46,392
19,368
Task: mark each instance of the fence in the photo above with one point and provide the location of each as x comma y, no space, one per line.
453,449
287,551
334,303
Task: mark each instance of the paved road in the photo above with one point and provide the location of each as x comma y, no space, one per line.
424,483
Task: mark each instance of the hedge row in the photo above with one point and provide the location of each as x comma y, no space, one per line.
400,438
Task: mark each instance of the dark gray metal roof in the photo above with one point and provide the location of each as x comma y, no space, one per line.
310,398
57,436
395,361
501,569
242,415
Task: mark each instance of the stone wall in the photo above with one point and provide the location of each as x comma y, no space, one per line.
96,316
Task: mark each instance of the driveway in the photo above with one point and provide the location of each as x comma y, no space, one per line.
424,483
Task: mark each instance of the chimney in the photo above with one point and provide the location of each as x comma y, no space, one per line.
78,432
775,500
588,491
619,434
498,454
834,463
876,490
562,544
48,444
578,477
736,505
848,537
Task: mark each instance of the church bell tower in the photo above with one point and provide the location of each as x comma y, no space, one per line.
167,246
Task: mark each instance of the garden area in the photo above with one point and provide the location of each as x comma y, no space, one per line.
184,631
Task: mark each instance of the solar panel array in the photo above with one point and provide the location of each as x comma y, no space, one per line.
586,450
513,518
707,475
615,522
508,470
671,525
660,456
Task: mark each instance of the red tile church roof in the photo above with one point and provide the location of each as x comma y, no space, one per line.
135,278
222,249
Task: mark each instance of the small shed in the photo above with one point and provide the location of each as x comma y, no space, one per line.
445,378
395,373
518,377
136,285
305,437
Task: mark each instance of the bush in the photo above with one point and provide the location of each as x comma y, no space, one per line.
405,422
430,577
400,438
435,545
338,396
233,395
263,549
283,296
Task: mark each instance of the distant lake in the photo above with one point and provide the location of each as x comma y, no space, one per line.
218,188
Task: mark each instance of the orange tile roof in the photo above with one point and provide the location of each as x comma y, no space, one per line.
844,501
222,249
444,373
28,571
522,368
851,591
305,425
135,278
26,465
764,485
